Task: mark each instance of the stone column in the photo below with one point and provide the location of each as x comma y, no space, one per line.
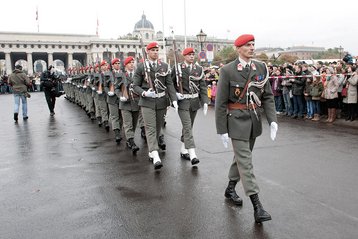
8,63
50,59
30,64
89,59
69,59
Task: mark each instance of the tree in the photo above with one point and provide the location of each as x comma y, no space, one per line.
262,57
288,58
226,55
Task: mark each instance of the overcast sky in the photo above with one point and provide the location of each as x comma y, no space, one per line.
274,23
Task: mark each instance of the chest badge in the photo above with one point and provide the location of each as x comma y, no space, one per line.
237,91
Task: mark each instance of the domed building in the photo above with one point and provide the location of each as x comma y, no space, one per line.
145,28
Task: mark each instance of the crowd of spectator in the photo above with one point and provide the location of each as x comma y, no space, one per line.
302,91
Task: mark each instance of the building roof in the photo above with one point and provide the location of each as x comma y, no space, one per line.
143,23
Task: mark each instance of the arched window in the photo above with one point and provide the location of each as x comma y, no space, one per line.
147,36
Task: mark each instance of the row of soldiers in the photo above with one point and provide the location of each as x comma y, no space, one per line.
128,97
105,92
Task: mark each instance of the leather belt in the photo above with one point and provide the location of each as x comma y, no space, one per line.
191,96
239,106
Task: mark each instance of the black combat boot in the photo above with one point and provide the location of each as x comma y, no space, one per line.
142,133
99,121
132,145
259,212
106,126
117,134
231,194
16,117
161,142
92,116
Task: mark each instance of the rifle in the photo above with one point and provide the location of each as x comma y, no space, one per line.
111,82
123,85
178,72
146,65
100,87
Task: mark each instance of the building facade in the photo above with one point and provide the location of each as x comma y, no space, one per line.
35,51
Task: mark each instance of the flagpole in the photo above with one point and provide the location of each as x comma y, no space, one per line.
37,19
164,47
184,23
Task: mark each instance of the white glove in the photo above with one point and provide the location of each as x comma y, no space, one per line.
225,139
205,108
99,92
84,87
110,93
273,129
180,96
123,99
149,93
93,88
175,104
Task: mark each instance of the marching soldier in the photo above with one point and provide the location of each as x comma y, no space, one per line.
101,105
88,93
192,94
113,78
129,104
243,89
152,82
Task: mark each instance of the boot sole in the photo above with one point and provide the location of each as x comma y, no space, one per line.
263,220
231,200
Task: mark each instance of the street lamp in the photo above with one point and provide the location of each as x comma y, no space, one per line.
201,38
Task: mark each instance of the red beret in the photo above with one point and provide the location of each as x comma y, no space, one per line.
128,60
103,63
243,39
152,45
115,60
188,51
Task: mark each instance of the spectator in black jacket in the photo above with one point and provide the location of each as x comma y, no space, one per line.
49,82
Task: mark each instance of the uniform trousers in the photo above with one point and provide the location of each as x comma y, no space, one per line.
115,116
187,118
140,119
130,120
103,107
242,168
96,105
89,102
153,121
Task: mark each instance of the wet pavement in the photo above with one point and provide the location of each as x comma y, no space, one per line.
64,177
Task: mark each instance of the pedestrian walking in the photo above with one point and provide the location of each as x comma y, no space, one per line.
20,81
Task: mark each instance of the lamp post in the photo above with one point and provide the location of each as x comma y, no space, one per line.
340,52
201,36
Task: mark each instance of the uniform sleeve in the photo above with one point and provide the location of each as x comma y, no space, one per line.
222,97
138,79
268,103
170,87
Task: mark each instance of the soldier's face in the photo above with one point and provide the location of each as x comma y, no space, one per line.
153,54
130,66
189,58
116,66
247,51
104,67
